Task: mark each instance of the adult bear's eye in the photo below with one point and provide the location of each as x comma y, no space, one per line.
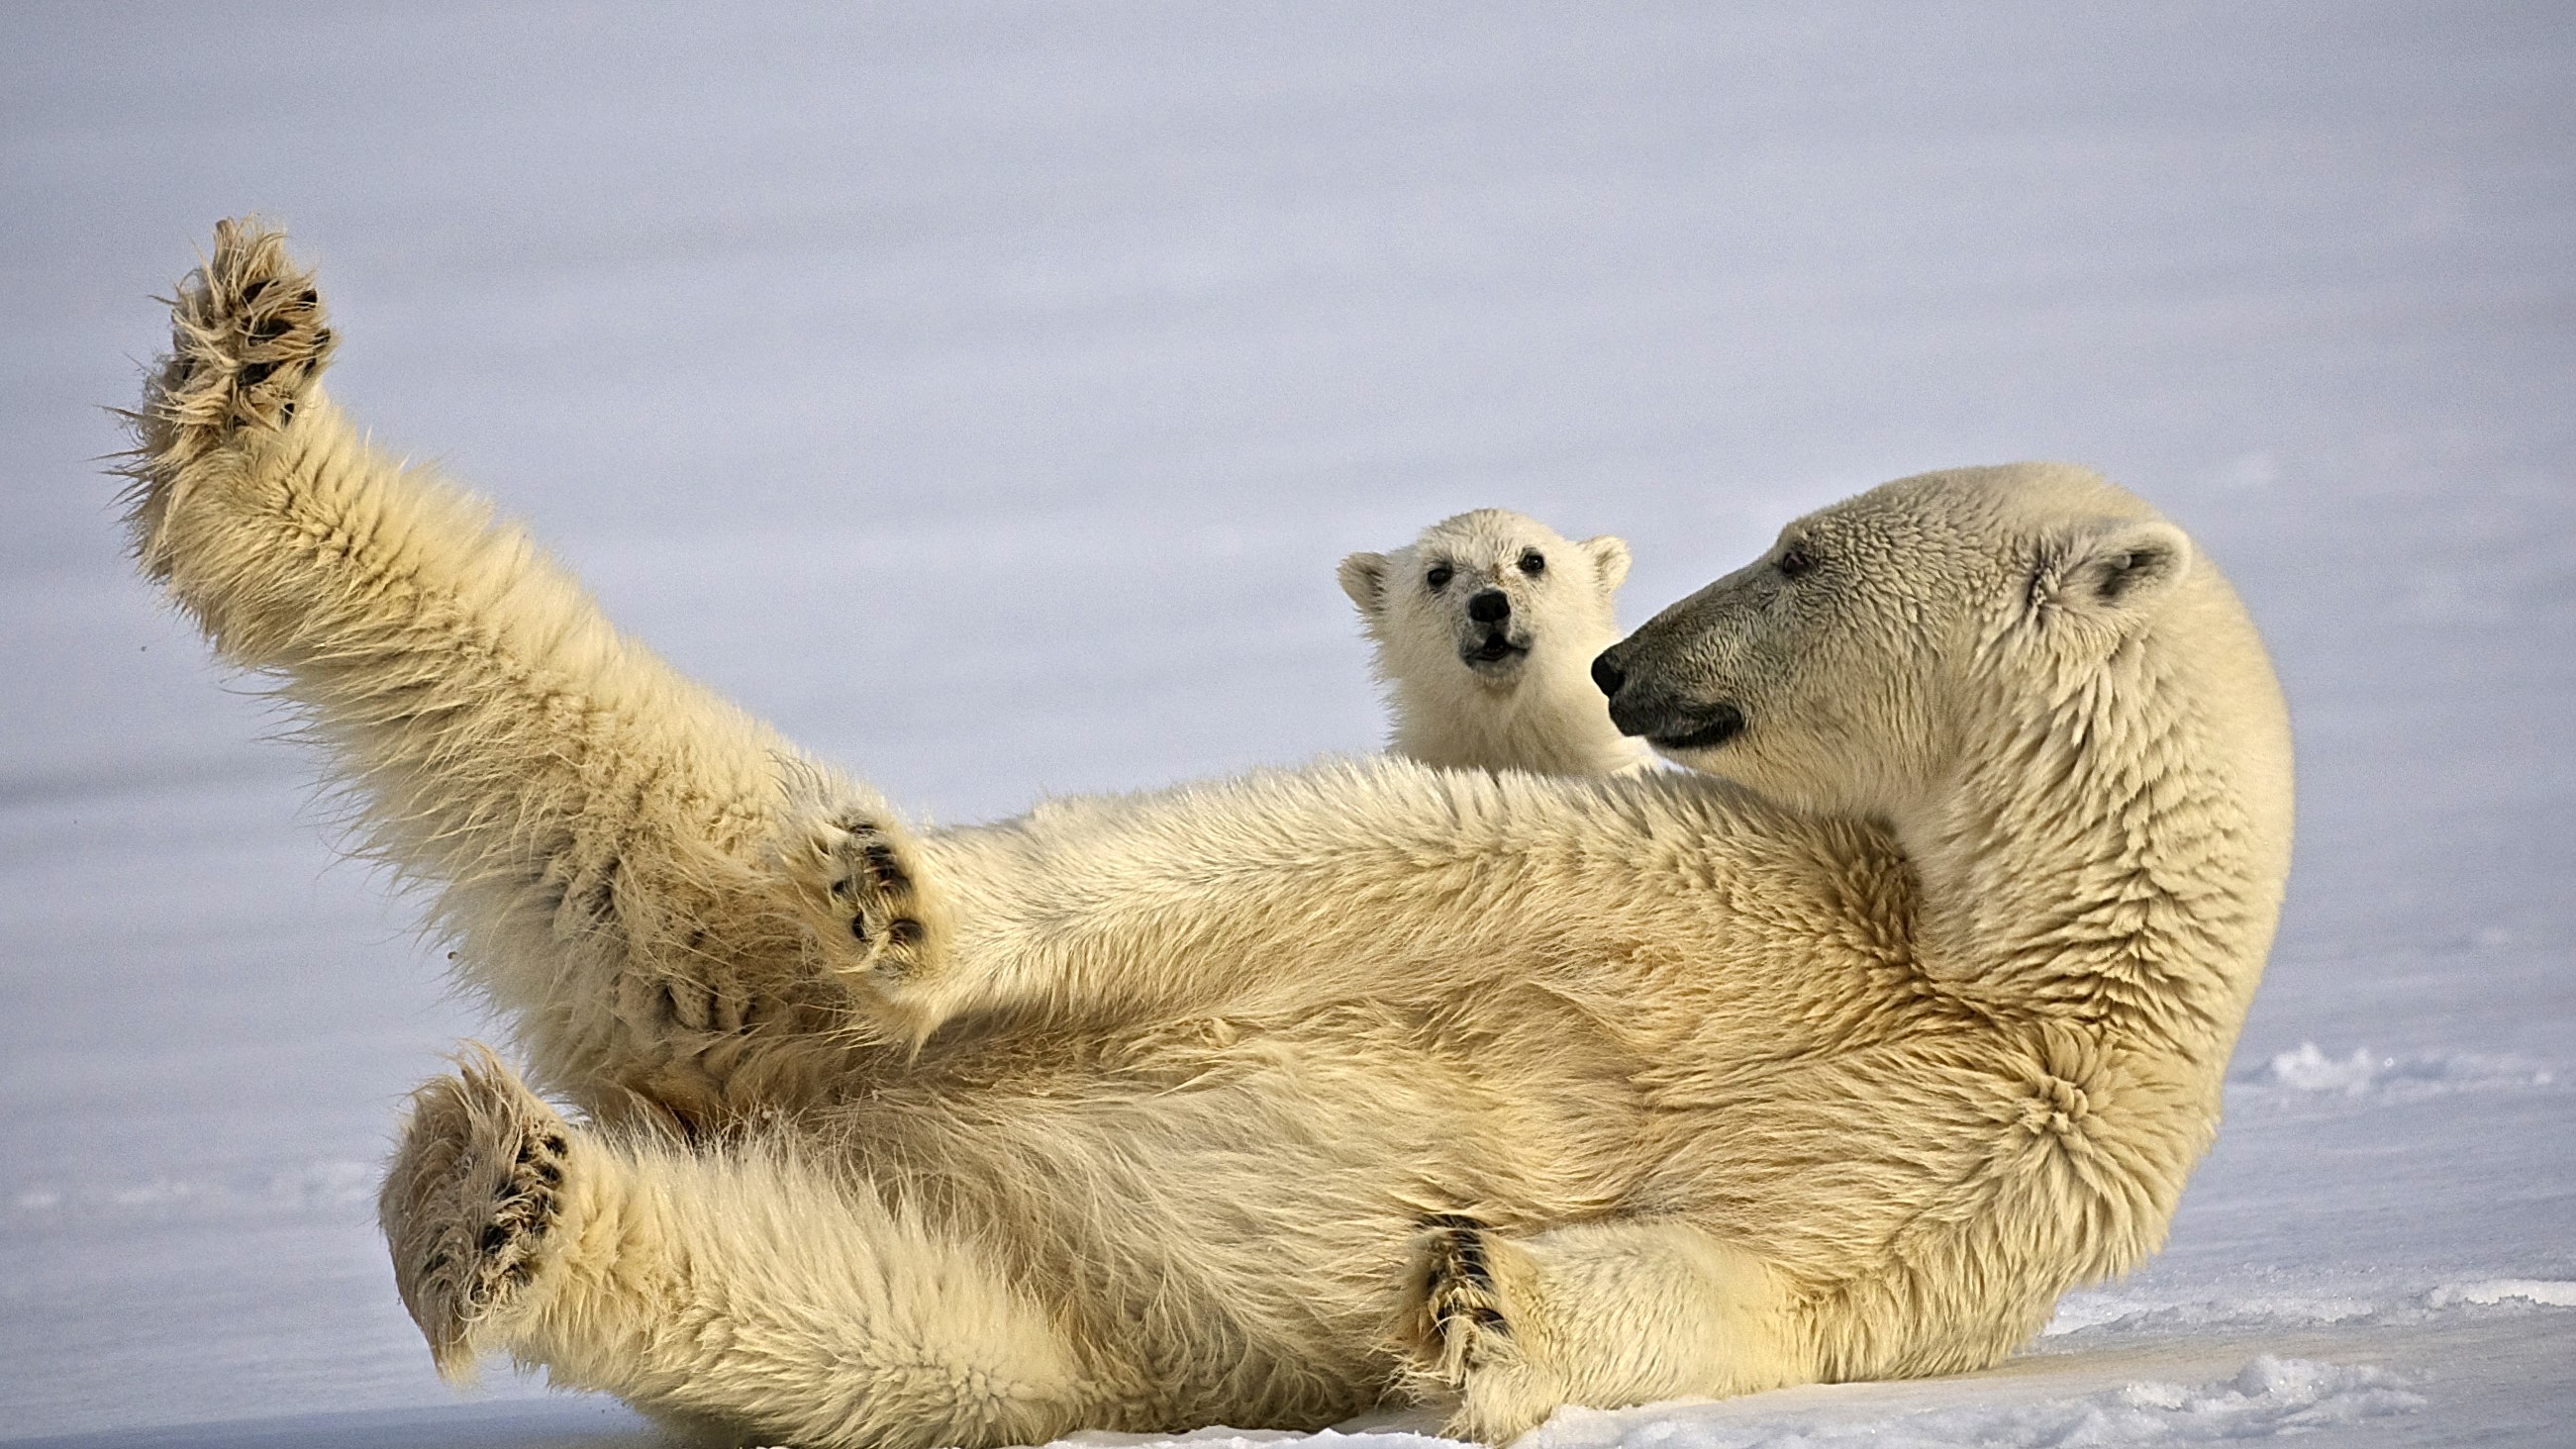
1533,563
1793,561
1438,578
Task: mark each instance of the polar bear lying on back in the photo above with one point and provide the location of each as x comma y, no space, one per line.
1258,1102
1486,628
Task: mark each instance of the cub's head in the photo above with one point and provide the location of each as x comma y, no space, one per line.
1476,595
1883,642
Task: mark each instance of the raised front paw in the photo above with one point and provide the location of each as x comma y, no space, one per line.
473,1205
858,884
247,338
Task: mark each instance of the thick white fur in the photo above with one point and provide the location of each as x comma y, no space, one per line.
1260,1101
1533,710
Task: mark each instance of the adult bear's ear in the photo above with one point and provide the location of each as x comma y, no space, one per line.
1364,579
2116,570
1609,561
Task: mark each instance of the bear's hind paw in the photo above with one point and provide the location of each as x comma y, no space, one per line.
247,339
473,1204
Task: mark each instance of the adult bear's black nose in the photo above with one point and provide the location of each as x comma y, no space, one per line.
1489,607
1607,673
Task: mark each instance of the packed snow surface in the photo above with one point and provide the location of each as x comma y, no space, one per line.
985,392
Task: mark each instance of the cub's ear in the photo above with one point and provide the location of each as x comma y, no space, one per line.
1364,579
1609,560
2115,569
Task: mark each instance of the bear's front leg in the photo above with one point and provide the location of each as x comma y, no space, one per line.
1605,1315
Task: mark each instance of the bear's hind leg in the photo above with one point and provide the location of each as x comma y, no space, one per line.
754,1289
598,833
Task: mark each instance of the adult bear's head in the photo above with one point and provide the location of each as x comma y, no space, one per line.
1887,642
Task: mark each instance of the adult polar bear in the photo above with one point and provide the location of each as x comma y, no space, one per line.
1257,1102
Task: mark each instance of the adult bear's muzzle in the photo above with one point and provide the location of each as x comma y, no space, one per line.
1662,716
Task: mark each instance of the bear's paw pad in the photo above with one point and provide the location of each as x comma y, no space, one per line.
861,895
475,1195
247,338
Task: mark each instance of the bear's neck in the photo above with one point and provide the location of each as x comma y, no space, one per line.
2112,860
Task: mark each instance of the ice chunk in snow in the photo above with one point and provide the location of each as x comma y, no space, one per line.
2118,1311
1224,1438
2269,1396
2366,1073
2548,1292
324,1185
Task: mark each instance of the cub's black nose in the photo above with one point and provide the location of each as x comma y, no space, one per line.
1606,674
1489,607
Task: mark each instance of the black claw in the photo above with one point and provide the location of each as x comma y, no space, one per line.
1470,1261
308,296
269,328
549,1173
494,1237
253,374
1483,1315
286,412
905,933
848,887
555,1143
859,929
1462,1244
257,286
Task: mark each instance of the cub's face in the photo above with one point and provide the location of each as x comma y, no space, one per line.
1847,668
1477,595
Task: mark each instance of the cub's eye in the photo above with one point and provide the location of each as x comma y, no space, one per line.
1793,561
1438,578
1533,563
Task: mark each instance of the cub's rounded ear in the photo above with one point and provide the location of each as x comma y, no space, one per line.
2114,569
1609,560
1364,579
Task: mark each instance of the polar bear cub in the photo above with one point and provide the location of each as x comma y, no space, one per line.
1486,627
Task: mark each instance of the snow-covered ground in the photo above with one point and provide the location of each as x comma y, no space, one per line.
984,393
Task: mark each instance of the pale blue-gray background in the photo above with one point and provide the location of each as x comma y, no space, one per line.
984,393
